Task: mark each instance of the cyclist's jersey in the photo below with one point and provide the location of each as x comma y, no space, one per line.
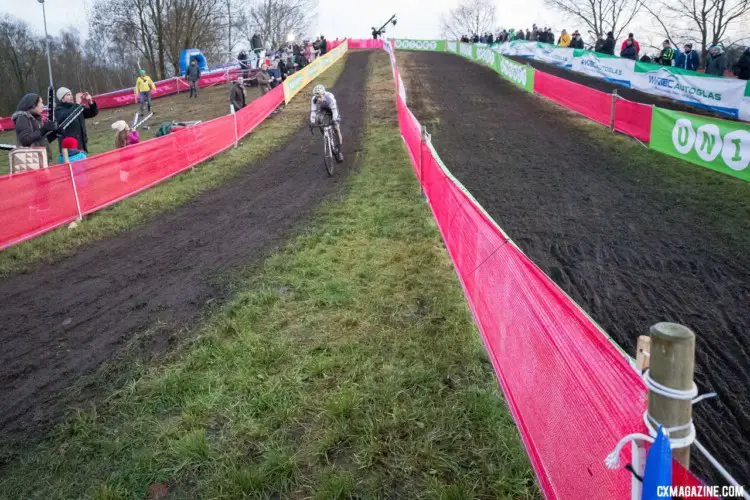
324,104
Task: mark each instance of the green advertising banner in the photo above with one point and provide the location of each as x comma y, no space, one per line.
520,74
720,145
431,45
485,55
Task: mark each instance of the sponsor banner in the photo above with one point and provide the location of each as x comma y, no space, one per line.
485,55
559,56
451,47
465,50
610,68
720,145
717,93
522,48
520,74
432,45
301,78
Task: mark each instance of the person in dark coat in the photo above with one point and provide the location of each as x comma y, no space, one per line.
629,50
609,44
668,55
742,68
67,106
193,74
323,45
716,64
688,59
237,94
242,59
31,131
577,41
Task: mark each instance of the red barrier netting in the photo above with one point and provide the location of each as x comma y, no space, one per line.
571,391
587,101
411,132
633,119
34,202
107,178
250,116
367,43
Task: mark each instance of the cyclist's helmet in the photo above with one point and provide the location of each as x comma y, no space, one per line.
319,90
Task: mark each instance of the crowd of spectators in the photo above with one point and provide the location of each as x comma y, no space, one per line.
716,62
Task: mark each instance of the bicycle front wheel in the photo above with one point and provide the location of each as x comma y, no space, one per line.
328,153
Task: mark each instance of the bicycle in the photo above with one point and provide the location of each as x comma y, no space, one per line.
331,147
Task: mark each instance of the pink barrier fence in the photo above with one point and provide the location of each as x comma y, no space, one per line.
572,393
38,201
587,101
366,44
633,119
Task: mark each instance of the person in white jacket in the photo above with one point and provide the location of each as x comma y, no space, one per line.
323,109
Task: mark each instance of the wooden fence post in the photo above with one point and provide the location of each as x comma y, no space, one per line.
672,360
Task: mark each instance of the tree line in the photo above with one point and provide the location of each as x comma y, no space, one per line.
126,35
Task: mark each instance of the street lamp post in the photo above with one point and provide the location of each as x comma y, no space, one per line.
46,42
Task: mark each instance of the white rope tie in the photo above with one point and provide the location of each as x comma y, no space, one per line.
613,459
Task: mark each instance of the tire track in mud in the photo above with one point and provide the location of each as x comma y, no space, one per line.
631,245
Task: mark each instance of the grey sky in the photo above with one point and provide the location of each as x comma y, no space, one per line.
337,18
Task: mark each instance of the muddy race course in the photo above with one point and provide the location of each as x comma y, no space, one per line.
633,236
62,321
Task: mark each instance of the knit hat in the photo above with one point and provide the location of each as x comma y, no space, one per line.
69,143
119,126
143,72
62,92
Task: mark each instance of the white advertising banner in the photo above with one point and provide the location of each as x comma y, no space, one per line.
721,94
554,55
613,69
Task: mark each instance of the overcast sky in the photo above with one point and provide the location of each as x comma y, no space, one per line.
337,18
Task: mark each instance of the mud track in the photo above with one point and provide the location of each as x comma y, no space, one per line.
634,237
62,321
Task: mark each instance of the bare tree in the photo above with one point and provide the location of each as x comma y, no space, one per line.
469,18
19,52
274,20
704,22
600,16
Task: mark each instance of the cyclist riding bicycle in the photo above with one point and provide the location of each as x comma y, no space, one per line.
324,111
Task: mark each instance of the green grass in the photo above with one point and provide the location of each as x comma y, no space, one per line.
170,194
347,368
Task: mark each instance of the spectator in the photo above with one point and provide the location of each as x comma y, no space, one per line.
242,58
716,63
630,40
491,39
609,44
564,40
74,154
323,45
534,33
143,87
264,79
67,106
629,50
577,41
742,68
475,39
646,59
193,74
688,59
256,44
528,34
668,55
125,136
237,93
30,130
520,35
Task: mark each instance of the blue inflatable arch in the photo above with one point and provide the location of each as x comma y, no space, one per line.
189,54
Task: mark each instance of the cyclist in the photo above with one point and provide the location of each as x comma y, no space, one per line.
324,110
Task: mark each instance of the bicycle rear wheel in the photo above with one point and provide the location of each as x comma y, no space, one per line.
328,153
